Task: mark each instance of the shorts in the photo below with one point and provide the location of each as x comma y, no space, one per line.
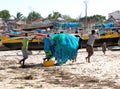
25,53
89,49
103,48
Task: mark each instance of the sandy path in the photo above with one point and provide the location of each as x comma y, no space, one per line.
102,73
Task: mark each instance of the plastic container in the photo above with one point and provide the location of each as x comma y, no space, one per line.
48,63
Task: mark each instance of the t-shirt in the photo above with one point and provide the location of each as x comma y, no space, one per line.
25,42
91,39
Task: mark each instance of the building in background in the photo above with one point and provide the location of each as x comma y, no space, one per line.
115,15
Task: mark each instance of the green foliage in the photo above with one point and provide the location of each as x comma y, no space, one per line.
99,17
54,16
49,16
34,16
68,18
4,14
18,16
94,18
24,19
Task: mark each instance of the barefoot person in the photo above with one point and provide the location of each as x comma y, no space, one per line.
25,43
119,41
90,44
104,48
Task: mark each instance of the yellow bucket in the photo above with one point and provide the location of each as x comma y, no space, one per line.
48,63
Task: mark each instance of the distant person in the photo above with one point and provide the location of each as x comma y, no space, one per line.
104,48
119,41
80,39
25,43
90,44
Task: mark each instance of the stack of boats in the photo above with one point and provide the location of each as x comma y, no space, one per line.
12,39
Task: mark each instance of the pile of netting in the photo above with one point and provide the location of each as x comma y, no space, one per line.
63,47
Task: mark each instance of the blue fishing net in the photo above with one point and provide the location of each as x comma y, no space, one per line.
47,43
65,47
15,32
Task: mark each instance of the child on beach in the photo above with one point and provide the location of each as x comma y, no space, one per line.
90,44
25,43
104,47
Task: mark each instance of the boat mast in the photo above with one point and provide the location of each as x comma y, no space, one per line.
85,2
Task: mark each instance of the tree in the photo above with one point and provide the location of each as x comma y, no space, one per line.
55,15
19,16
25,19
4,14
49,16
68,18
34,16
94,18
99,18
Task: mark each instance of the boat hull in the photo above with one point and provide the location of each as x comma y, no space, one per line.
18,46
99,42
40,45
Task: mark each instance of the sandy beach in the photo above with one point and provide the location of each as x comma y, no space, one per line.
102,73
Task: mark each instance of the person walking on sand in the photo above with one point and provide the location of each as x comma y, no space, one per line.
104,47
119,41
25,43
90,43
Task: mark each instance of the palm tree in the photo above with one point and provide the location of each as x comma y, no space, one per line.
34,16
50,16
19,16
56,15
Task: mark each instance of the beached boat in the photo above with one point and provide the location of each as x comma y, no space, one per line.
110,37
13,38
15,43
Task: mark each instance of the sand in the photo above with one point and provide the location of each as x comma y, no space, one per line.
102,73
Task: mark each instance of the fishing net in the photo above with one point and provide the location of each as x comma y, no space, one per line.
15,32
65,47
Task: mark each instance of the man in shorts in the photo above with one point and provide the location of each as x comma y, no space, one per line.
90,44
